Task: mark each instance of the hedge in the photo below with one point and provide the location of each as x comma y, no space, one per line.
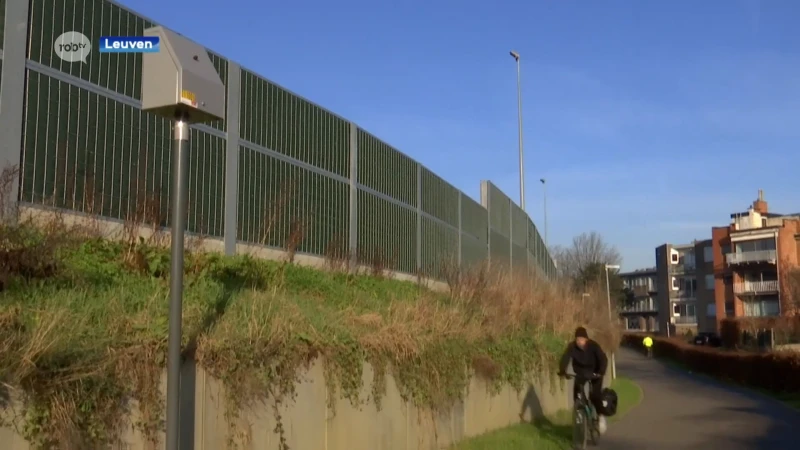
785,328
777,372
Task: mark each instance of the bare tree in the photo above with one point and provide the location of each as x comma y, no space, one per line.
587,250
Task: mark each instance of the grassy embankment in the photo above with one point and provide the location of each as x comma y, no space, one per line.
553,433
83,326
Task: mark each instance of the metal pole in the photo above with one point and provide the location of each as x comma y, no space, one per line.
180,188
544,184
521,158
610,318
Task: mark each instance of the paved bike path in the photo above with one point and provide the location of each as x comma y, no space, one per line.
684,411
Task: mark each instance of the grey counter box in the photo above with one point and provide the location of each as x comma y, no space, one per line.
179,81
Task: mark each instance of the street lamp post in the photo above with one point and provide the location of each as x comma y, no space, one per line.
544,187
610,316
515,55
179,84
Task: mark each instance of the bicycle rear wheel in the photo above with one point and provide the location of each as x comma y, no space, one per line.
580,429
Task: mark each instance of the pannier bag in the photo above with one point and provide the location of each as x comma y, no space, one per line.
609,398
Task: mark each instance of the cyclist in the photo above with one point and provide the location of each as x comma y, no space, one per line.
648,345
589,362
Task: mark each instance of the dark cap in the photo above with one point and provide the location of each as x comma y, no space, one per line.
581,332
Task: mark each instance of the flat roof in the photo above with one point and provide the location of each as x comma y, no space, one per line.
639,272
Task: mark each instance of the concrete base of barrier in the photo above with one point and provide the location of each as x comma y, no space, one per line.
310,424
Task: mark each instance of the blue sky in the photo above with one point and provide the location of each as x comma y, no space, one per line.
651,120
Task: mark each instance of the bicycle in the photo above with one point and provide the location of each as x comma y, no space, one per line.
586,421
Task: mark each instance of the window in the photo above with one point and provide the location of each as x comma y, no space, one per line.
755,245
710,281
675,284
675,258
688,259
711,310
761,308
708,254
763,221
633,323
729,309
687,285
684,310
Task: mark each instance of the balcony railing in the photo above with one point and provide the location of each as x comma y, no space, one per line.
641,291
755,287
649,306
685,320
685,294
682,268
752,257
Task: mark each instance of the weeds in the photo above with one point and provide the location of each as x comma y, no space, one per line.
83,327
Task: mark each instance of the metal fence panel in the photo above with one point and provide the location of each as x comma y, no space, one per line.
119,72
386,170
386,233
274,118
2,27
439,198
499,210
499,250
88,147
519,257
474,220
473,252
439,248
281,204
89,153
519,225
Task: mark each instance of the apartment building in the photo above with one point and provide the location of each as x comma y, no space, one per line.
642,313
750,254
685,287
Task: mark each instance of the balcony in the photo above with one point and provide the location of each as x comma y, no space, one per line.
649,306
756,287
677,269
758,256
642,291
685,320
684,295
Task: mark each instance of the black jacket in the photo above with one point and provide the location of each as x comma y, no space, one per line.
586,362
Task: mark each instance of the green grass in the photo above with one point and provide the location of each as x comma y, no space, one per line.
83,328
630,395
554,433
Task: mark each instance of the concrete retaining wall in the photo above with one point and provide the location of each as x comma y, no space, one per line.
310,424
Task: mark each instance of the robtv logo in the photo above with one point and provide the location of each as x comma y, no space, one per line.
72,46
129,44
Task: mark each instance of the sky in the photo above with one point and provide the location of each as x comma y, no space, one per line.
651,121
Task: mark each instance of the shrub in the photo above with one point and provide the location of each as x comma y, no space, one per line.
785,329
773,371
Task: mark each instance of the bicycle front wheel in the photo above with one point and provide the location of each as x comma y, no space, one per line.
580,429
594,431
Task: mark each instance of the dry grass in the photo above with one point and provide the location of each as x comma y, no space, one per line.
83,325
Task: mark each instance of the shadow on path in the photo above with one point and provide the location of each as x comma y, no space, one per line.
550,429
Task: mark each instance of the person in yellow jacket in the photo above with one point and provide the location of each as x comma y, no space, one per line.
648,344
